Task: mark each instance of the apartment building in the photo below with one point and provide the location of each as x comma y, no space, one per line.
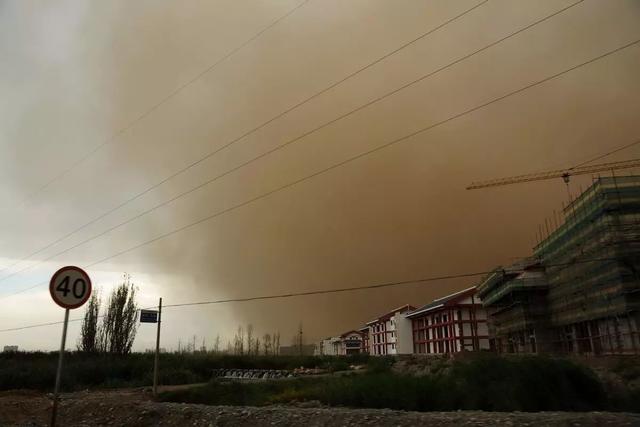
450,324
391,333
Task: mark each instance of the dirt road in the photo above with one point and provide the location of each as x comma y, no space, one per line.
135,408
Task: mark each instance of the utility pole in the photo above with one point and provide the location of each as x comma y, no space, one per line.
155,363
300,339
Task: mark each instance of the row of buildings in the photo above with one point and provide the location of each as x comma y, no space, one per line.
578,293
451,324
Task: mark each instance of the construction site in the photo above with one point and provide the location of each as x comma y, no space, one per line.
579,292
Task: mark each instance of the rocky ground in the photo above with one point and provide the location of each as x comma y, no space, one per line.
136,408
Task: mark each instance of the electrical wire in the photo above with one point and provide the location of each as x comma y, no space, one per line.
165,99
353,158
275,149
225,146
607,154
327,291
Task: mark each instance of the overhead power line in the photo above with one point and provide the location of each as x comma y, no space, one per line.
327,291
281,296
607,154
165,99
281,146
131,124
354,158
227,145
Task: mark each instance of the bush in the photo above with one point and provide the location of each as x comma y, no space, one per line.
530,383
380,364
81,370
486,383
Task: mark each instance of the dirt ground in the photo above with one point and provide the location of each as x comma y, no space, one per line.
136,408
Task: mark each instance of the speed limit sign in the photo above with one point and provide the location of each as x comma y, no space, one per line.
70,287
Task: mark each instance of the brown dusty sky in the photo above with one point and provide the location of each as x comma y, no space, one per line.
73,74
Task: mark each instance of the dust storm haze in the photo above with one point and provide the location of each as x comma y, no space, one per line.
101,100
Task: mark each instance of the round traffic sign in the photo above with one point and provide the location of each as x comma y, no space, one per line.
70,287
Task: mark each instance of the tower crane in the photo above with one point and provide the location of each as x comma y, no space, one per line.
565,174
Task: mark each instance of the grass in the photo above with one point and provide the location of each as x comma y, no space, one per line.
488,383
37,370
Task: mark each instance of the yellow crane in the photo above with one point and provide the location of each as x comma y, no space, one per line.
565,174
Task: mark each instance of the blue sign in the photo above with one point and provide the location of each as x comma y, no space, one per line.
148,316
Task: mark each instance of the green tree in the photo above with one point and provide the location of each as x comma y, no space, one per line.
89,340
119,324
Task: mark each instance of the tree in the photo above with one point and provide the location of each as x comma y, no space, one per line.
276,343
249,338
216,344
89,339
266,344
119,325
238,341
256,346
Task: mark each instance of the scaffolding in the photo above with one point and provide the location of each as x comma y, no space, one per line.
515,300
580,293
591,264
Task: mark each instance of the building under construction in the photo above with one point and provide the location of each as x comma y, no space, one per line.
581,291
515,298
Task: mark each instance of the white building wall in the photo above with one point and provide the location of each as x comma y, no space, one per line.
328,347
404,334
390,336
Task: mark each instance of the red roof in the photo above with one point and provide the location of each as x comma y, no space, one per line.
389,315
444,301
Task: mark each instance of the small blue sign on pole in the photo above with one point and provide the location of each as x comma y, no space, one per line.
148,316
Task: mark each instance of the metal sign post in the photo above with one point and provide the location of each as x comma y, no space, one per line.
70,287
155,364
152,316
56,391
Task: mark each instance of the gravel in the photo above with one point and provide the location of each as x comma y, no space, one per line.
135,408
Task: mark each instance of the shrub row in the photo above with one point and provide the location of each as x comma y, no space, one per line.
487,383
37,370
